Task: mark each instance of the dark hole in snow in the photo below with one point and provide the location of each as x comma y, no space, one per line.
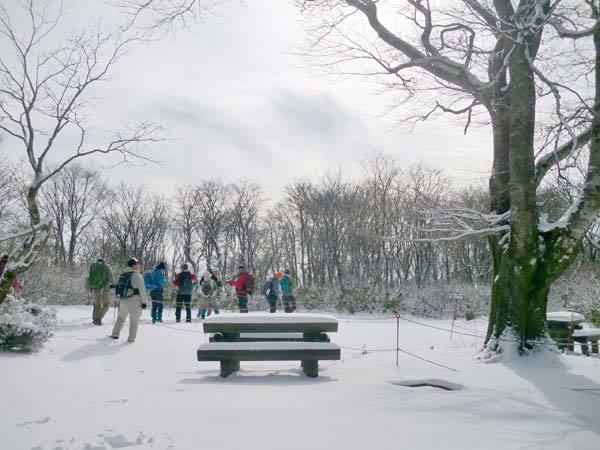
438,384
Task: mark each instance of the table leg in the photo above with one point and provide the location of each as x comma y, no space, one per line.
311,367
584,348
227,367
595,346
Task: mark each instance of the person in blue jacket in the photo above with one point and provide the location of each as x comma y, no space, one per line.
155,281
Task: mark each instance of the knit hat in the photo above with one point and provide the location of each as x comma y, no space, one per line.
132,262
207,276
185,267
161,265
241,266
279,275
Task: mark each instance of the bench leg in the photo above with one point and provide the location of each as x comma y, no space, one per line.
311,368
595,346
228,367
236,366
584,348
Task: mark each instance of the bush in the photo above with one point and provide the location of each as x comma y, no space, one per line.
25,325
60,285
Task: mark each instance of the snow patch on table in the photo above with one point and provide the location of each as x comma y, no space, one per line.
270,318
565,316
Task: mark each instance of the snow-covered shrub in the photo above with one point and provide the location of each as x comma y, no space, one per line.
25,325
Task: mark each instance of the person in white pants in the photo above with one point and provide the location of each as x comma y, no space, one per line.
131,305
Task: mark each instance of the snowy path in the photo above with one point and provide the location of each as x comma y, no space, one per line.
86,392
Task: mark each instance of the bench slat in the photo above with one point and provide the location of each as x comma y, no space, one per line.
268,351
269,337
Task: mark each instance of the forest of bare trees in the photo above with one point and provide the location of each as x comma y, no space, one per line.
377,233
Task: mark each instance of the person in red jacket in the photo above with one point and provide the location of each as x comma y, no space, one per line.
243,285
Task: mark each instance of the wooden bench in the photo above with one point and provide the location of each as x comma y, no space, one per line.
269,337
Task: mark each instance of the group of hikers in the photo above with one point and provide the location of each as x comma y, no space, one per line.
133,288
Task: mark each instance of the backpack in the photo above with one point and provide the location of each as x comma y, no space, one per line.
123,288
150,281
97,278
266,288
206,287
186,286
250,283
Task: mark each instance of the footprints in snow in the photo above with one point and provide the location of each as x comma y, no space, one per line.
41,421
109,441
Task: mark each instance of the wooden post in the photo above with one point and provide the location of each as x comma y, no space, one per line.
397,337
453,319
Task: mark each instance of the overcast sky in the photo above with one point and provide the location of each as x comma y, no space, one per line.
241,105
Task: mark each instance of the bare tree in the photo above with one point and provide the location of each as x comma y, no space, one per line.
186,224
73,199
46,81
137,222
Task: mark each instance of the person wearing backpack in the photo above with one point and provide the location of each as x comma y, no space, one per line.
184,282
131,292
244,285
100,280
155,281
208,291
271,290
288,285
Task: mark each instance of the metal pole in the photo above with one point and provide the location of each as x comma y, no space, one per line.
397,337
453,319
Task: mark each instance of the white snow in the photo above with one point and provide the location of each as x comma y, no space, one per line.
271,318
565,316
587,332
83,391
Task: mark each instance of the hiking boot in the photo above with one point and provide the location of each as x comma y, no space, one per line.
188,320
113,337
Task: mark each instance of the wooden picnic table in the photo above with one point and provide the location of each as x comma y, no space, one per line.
269,337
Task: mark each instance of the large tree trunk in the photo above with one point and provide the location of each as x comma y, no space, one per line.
520,286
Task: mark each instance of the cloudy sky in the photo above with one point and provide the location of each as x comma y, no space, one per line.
242,105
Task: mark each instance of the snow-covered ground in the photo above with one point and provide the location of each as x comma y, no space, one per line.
86,392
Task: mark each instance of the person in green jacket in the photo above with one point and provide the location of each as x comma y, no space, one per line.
100,280
288,286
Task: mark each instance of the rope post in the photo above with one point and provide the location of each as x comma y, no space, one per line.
453,319
397,337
